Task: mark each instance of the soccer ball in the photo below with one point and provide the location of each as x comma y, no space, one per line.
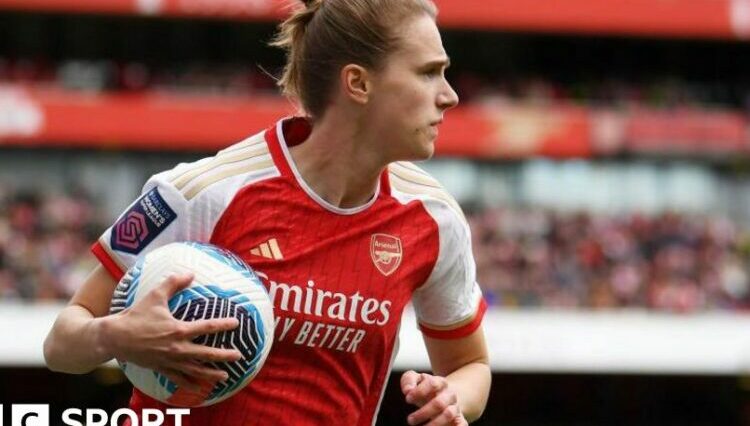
224,286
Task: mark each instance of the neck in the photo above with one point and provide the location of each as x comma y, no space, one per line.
340,162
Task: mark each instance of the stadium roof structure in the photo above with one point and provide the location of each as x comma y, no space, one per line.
722,19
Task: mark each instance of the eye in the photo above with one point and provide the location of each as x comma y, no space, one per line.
433,72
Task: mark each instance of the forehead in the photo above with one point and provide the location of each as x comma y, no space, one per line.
419,41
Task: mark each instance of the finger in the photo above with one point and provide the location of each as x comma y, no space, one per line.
173,284
211,326
427,388
451,416
201,353
202,372
409,381
434,408
179,379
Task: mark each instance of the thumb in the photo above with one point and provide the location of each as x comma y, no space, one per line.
175,283
409,381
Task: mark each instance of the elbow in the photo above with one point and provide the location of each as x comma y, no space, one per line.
474,415
50,357
55,358
70,345
474,411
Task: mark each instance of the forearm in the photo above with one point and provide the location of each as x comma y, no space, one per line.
472,385
76,343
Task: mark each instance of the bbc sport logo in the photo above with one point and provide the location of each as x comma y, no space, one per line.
39,415
29,415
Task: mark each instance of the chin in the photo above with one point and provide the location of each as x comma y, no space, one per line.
422,152
419,150
428,153
428,149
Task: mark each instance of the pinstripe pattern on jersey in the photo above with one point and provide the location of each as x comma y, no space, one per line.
409,179
394,352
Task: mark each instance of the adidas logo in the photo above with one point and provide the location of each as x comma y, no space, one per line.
270,250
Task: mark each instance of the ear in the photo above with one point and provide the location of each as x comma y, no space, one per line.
356,83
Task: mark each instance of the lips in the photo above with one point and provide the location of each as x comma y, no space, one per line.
433,131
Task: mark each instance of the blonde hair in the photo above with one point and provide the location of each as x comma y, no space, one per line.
326,35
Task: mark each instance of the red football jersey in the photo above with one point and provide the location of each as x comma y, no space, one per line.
339,278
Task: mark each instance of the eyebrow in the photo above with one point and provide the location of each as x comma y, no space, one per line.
443,62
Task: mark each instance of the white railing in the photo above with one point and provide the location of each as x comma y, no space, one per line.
530,341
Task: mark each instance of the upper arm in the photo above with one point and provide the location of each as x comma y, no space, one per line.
95,295
449,304
161,215
448,355
157,217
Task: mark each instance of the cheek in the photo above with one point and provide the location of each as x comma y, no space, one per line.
406,108
402,110
415,97
413,107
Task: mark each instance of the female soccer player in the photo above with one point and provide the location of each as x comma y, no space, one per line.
343,232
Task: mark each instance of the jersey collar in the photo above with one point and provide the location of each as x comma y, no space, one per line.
293,130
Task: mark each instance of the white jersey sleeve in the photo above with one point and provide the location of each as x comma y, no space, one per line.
449,304
161,215
182,204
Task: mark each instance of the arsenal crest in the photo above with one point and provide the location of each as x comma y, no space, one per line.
386,253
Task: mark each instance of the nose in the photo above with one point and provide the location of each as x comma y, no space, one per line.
447,98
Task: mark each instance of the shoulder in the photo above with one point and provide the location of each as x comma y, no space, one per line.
409,182
222,175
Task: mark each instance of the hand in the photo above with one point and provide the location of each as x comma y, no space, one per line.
148,335
438,402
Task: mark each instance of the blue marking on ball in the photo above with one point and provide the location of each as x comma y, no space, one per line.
210,301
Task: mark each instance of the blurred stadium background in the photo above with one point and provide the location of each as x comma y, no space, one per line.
601,152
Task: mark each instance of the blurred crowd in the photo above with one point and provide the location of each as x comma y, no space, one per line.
44,241
668,92
537,258
133,77
526,257
217,79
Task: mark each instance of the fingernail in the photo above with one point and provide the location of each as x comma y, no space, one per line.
410,420
409,399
